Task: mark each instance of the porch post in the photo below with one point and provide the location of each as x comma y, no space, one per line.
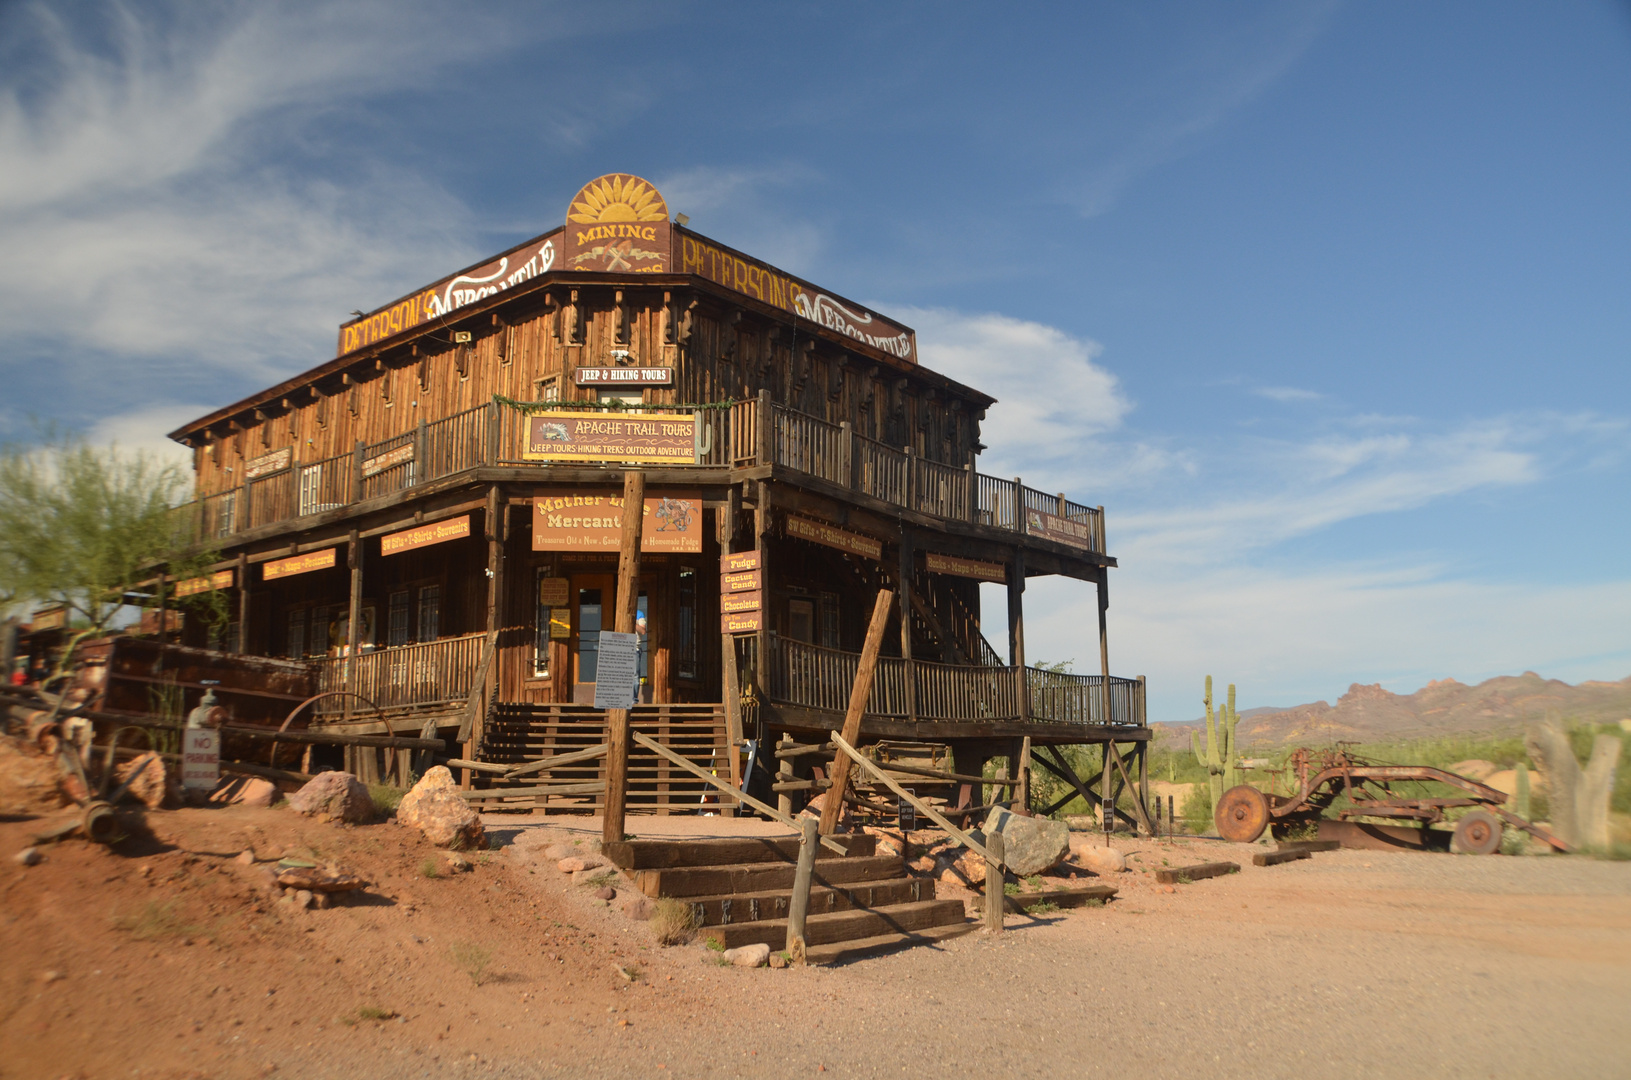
353,623
628,597
497,533
1016,632
242,644
761,542
1103,583
730,684
906,567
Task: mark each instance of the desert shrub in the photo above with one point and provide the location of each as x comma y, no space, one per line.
154,920
472,959
673,922
429,869
386,797
1197,809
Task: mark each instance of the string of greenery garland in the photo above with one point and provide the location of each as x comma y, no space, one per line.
607,406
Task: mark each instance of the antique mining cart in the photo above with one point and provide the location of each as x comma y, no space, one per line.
1244,812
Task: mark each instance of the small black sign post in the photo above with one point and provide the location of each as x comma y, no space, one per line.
907,816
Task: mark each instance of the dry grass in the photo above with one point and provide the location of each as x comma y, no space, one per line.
154,920
472,959
673,922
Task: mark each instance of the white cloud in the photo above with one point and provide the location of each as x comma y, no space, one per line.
142,431
158,202
737,207
1288,394
1286,638
1056,404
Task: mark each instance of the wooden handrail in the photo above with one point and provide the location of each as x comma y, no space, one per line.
728,788
922,807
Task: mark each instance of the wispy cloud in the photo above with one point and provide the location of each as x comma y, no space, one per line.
748,209
163,200
1288,394
1209,86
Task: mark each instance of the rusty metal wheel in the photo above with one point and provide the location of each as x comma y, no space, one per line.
1242,814
1478,833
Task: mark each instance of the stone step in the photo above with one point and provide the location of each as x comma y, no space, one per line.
689,881
840,951
842,925
724,851
773,903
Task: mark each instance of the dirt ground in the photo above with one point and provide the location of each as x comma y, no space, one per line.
167,957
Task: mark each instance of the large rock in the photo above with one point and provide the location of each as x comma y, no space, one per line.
1095,856
748,956
1030,844
334,796
436,808
153,787
244,791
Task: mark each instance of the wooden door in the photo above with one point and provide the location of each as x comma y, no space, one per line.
593,598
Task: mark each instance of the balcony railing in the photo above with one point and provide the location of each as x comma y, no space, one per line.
748,433
815,677
428,674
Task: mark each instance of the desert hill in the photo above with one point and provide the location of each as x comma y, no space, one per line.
1502,705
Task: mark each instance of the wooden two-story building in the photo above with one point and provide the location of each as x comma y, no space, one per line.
431,517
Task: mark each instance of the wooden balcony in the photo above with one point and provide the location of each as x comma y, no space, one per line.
743,435
813,677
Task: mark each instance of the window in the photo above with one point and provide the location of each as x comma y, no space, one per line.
227,515
311,490
829,620
801,620
295,646
687,650
430,613
397,633
318,641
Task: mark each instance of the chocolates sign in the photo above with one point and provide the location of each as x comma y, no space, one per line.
573,435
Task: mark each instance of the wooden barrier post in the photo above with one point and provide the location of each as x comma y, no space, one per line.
628,595
799,903
995,898
858,695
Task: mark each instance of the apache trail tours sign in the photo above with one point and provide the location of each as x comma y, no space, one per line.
570,435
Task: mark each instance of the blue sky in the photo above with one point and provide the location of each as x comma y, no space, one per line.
1326,303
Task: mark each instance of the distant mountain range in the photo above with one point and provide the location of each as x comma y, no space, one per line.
1503,705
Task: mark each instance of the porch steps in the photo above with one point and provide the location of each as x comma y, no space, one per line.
774,903
861,903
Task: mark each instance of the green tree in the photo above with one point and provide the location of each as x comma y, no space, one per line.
85,526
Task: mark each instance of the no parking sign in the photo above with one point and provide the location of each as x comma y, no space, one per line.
200,758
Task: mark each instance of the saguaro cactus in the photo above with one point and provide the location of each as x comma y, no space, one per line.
1577,798
1219,757
1521,794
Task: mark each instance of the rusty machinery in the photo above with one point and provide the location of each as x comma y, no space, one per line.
1244,812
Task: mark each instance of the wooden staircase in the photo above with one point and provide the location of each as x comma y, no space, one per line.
861,903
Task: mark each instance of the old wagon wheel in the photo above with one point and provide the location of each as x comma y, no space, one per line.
1242,814
1478,833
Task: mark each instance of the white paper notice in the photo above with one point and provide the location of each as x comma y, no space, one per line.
200,757
617,673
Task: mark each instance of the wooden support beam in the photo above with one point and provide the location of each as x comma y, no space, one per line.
1143,821
1016,630
906,571
994,891
628,594
1183,874
858,695
1275,858
1022,773
353,622
799,901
